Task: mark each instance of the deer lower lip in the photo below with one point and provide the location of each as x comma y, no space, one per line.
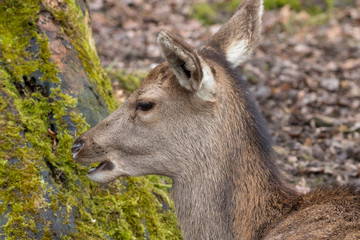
103,165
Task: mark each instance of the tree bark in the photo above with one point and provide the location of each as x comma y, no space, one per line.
53,88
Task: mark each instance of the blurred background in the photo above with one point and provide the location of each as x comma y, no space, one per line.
305,73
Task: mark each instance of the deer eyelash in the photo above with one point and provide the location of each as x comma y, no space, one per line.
144,106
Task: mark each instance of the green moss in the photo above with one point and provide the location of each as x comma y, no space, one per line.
275,4
20,190
127,81
295,25
75,25
204,12
37,174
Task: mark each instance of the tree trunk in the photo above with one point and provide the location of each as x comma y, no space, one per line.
52,89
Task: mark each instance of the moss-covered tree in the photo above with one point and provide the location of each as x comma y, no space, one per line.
53,88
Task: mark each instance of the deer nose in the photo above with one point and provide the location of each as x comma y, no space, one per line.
76,147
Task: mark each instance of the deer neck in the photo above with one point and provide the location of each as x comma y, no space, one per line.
242,205
239,194
201,208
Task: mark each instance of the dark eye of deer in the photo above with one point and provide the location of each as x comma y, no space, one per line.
144,106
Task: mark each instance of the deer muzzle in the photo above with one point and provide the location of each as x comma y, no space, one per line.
76,147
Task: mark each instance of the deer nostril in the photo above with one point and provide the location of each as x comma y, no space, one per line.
76,147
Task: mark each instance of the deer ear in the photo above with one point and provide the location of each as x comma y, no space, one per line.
191,71
240,34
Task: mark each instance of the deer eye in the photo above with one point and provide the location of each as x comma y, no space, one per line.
144,106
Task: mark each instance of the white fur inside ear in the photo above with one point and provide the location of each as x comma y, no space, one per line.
237,52
206,89
261,10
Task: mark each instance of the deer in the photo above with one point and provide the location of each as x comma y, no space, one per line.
194,120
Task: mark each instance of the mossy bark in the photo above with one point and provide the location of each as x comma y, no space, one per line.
52,89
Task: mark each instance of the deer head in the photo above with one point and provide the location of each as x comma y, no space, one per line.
184,110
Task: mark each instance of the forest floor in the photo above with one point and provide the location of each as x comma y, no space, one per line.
305,75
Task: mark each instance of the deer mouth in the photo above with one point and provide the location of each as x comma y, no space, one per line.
103,166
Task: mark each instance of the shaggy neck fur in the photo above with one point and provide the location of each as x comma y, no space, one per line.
237,193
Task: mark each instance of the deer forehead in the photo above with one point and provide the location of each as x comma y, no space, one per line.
161,83
153,85
151,91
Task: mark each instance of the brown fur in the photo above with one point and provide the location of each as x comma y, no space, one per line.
205,132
